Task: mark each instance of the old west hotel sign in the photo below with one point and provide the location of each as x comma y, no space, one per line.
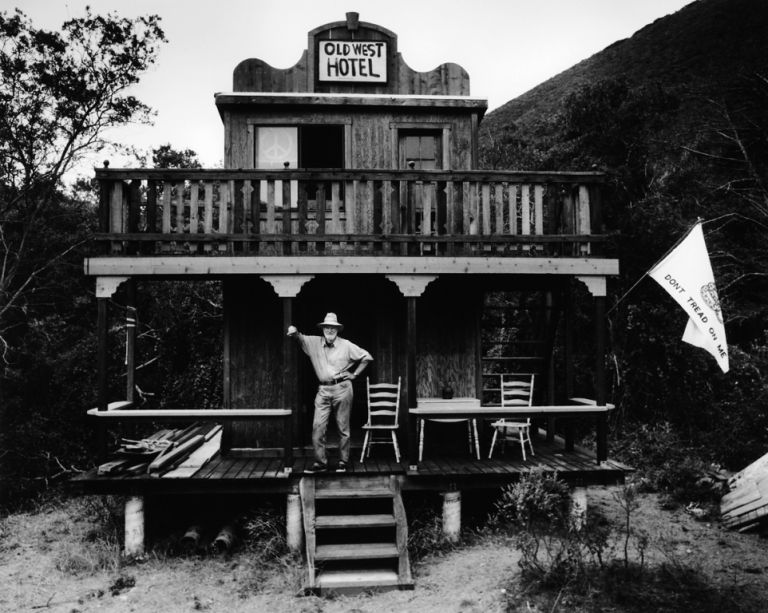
350,60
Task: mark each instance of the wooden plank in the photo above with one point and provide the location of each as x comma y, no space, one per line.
356,551
498,208
373,520
307,495
196,460
485,198
538,209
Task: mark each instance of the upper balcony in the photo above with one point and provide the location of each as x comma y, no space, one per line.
158,212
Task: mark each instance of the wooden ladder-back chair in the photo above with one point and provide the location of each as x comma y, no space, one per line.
383,413
516,391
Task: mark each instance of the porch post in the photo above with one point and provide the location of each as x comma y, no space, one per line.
596,286
105,288
130,341
134,526
411,379
101,365
411,286
287,287
600,391
289,379
568,333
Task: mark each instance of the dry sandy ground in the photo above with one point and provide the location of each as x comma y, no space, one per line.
46,564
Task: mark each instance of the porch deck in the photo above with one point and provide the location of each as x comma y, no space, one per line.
232,474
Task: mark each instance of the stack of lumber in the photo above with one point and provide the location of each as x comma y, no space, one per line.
168,452
745,506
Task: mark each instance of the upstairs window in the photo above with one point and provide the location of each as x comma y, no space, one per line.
421,149
307,146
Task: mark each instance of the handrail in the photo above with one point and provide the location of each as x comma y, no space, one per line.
356,212
191,414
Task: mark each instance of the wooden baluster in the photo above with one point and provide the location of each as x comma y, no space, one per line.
538,219
166,206
525,214
466,208
450,215
370,208
116,214
288,230
179,200
194,187
512,195
302,217
498,209
134,206
485,199
336,202
386,215
585,222
320,216
208,215
404,215
224,195
238,212
254,228
271,224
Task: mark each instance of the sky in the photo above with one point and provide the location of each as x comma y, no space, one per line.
506,46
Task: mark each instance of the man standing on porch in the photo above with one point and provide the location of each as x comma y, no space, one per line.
337,362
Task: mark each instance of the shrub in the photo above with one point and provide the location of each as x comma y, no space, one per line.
536,500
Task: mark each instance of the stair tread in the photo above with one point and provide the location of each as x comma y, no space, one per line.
355,521
357,578
356,551
353,493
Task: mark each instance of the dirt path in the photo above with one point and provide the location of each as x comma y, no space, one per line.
50,561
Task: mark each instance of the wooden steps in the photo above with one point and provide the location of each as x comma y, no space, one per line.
356,533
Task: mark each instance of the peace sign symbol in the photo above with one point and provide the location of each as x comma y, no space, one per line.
278,146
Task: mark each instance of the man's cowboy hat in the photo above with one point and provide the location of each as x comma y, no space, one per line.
330,320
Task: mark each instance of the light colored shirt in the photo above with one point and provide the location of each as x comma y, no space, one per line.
329,362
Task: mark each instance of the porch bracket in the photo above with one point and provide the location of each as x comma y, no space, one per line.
595,285
107,286
411,286
287,286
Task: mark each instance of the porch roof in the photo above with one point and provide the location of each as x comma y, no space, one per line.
307,265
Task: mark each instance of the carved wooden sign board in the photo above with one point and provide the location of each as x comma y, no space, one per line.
352,61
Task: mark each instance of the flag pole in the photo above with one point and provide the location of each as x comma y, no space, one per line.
656,263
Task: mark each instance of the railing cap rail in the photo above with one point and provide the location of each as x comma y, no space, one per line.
330,174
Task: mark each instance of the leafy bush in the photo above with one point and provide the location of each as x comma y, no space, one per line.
665,463
536,500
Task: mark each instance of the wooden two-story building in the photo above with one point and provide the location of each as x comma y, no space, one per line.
351,185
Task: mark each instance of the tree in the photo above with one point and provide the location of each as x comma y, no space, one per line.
59,92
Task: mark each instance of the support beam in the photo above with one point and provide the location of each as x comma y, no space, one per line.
600,385
130,341
452,516
579,507
287,286
410,365
134,526
293,525
411,286
102,401
107,286
290,382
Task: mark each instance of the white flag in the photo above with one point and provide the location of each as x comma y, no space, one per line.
687,275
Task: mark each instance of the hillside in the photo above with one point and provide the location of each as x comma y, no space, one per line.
704,46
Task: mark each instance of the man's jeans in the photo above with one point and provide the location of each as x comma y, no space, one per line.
339,398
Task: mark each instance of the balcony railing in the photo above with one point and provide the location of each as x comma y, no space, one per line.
361,212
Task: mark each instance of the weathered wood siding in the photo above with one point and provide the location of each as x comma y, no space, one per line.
253,359
373,313
255,75
372,134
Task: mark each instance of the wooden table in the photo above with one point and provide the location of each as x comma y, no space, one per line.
469,408
447,410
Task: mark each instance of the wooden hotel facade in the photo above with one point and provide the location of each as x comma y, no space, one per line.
351,185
